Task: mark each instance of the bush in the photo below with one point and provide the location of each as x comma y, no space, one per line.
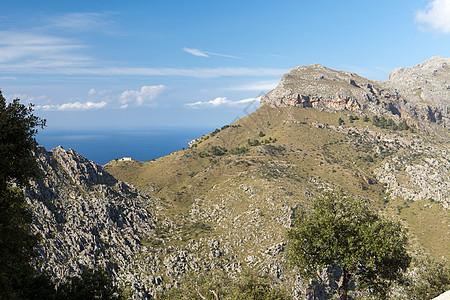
217,151
253,142
432,278
219,285
239,150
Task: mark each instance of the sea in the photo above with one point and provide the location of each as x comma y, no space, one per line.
102,146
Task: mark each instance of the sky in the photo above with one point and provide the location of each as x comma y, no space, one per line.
181,64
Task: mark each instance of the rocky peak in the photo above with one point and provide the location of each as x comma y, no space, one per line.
87,218
419,93
426,85
80,170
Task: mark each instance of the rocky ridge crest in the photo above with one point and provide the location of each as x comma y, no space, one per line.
420,93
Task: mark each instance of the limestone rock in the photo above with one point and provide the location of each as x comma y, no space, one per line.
419,94
86,218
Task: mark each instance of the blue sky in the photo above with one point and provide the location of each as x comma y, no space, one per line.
144,64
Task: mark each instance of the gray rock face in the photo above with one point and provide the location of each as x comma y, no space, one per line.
427,87
86,218
420,93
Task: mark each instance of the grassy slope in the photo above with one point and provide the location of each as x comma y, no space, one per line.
287,172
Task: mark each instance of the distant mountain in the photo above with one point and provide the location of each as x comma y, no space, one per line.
224,203
419,93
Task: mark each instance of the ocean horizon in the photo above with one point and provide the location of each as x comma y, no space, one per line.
102,146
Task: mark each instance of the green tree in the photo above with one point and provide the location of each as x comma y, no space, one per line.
340,121
343,232
430,279
18,127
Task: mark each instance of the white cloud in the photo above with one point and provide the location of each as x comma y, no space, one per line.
436,15
73,106
195,52
221,101
21,50
91,92
195,72
24,98
81,21
35,53
202,53
144,94
8,78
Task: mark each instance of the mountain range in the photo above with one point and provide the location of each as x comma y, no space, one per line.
226,201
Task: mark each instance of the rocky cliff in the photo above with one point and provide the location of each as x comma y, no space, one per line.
419,93
87,218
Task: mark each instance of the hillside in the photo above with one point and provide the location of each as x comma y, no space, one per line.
311,152
224,203
288,152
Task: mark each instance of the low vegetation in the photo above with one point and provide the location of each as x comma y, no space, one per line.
219,285
343,232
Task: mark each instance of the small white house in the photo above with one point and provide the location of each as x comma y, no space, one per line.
126,159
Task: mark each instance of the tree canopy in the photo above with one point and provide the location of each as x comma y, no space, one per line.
340,231
18,127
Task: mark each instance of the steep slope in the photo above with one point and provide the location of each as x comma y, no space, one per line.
426,86
87,218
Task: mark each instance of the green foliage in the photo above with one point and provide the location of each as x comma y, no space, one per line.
17,130
367,158
217,151
92,284
239,150
342,231
218,285
382,122
340,121
215,132
273,150
253,142
261,134
352,118
16,243
431,280
366,119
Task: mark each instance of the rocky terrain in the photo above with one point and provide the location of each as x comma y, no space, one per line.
87,218
224,203
419,93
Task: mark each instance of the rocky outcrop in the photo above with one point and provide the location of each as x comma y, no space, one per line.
420,93
87,218
426,86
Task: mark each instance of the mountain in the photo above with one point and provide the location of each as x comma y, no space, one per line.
420,93
224,204
87,218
